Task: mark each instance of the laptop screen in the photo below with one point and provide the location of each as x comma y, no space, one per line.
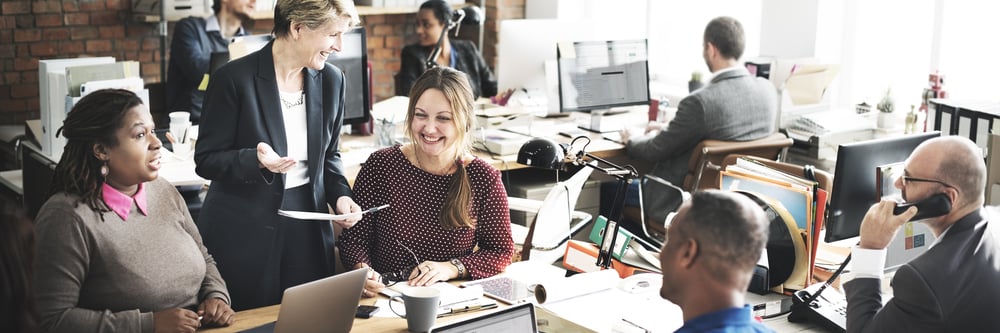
515,319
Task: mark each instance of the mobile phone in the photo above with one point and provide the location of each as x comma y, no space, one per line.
366,311
934,206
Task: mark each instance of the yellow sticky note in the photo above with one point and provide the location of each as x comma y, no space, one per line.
204,83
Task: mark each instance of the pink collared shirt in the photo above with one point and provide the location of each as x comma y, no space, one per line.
121,204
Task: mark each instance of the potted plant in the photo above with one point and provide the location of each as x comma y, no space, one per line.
886,107
695,82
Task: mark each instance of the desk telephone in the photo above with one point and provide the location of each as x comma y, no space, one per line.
828,309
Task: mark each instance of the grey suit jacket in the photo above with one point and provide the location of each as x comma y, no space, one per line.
735,106
953,287
239,220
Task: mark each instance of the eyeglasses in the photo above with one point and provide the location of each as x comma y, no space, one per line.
390,279
908,179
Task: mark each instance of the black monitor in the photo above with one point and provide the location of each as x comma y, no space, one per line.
854,181
353,60
600,75
37,171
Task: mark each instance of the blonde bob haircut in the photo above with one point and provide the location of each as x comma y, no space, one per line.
311,13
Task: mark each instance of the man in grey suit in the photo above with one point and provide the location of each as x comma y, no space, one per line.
955,285
734,106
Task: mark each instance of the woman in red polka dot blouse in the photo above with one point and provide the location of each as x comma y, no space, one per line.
448,216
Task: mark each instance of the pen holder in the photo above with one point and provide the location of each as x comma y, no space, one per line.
384,132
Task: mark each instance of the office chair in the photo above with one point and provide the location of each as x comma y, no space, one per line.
706,159
546,237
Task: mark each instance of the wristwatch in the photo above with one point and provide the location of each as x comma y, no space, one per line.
461,268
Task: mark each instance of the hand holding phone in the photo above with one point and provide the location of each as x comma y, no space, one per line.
933,206
366,311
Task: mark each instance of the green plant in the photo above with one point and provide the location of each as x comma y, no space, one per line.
886,105
696,76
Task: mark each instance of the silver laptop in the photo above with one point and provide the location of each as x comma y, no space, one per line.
514,319
326,305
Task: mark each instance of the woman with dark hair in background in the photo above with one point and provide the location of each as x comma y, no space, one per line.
18,312
462,55
448,215
269,140
118,251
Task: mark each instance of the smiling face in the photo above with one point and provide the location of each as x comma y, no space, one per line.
433,125
428,27
136,157
317,44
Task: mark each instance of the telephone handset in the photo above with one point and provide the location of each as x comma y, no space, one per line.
934,206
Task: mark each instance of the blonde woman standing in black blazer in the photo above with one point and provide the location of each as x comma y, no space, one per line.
269,140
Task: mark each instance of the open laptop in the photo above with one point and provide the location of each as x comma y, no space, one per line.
518,318
326,305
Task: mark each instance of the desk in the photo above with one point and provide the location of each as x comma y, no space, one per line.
248,319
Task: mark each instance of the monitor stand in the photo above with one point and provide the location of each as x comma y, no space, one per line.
599,125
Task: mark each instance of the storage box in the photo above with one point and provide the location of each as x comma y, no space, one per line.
174,9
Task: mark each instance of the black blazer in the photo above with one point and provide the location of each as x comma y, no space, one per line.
239,220
953,287
413,64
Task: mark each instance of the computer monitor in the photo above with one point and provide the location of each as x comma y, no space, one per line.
353,60
527,60
596,76
37,171
854,181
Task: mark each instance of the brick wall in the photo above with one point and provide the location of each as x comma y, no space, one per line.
32,30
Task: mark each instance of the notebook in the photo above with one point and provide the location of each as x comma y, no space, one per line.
519,318
326,305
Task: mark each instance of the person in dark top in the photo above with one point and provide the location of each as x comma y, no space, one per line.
462,55
270,140
194,41
448,214
18,312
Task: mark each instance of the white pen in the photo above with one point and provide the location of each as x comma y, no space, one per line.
375,209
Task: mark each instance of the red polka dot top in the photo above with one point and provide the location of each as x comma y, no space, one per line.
412,219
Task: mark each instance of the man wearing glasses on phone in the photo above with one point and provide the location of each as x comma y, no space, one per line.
955,285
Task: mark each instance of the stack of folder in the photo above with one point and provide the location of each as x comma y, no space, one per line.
805,204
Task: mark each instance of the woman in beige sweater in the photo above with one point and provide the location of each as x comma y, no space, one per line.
118,251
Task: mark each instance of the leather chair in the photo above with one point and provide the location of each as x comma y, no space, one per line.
707,157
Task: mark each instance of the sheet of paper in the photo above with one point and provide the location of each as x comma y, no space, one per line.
807,83
313,216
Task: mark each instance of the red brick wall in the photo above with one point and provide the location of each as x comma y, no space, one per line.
32,30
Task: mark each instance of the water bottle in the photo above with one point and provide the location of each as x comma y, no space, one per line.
661,115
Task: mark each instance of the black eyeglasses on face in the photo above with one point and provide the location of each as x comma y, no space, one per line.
908,179
391,278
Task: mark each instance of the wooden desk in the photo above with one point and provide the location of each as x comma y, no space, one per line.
248,319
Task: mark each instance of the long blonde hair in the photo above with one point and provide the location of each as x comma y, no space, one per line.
455,87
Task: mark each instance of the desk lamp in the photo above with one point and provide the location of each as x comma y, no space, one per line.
469,15
547,154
